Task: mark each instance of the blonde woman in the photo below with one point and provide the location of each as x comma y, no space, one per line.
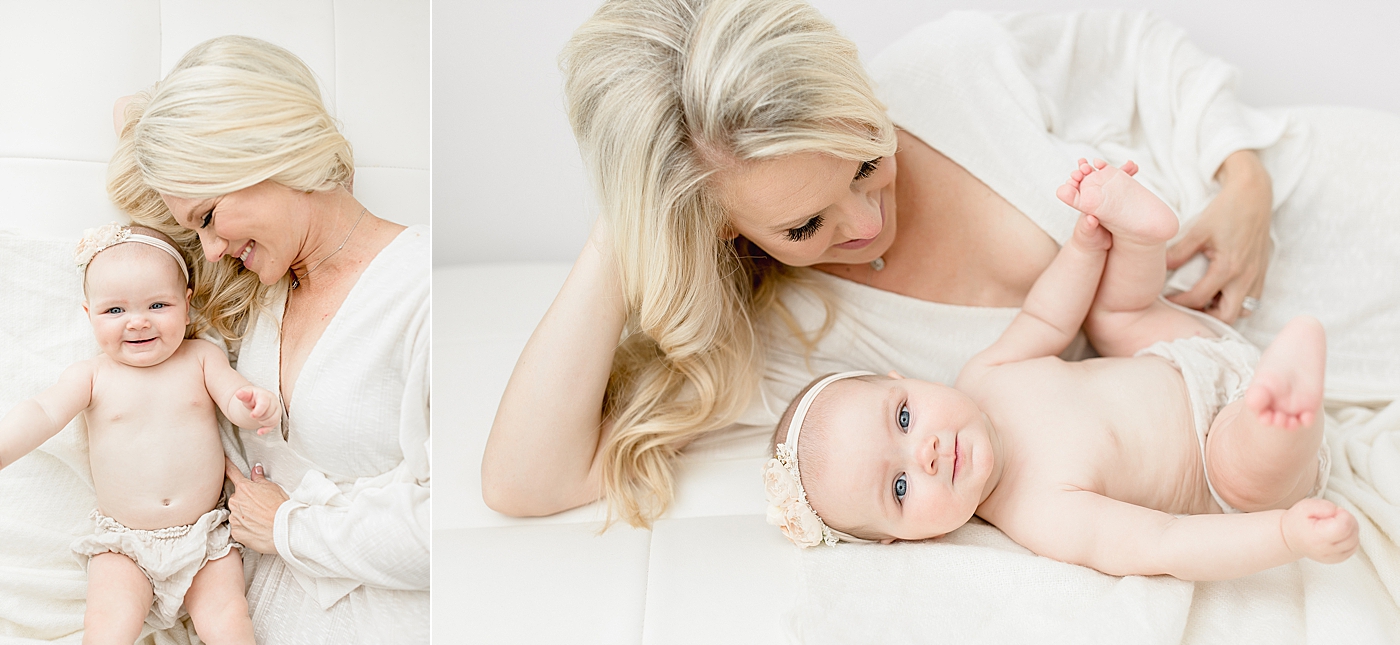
234,155
766,218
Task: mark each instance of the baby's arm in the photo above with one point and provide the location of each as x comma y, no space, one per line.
245,404
33,421
1122,539
1058,301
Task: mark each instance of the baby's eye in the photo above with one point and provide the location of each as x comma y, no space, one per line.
113,310
901,486
904,418
158,305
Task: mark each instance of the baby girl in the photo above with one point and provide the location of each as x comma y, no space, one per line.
1174,454
161,545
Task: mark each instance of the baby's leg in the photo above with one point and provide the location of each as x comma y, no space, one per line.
1126,314
118,598
216,602
1262,451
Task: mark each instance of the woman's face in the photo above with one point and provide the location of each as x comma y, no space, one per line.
252,224
812,208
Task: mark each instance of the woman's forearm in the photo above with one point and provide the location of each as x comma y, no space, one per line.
541,454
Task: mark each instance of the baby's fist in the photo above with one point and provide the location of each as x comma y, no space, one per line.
262,406
1320,530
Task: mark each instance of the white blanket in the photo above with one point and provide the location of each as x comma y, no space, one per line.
46,497
1014,99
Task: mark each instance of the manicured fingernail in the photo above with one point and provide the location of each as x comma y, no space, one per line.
257,467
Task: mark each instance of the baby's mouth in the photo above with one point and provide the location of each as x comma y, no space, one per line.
956,454
143,341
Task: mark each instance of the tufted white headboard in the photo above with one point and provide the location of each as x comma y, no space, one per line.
64,62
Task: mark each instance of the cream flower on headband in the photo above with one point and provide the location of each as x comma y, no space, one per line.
96,240
788,508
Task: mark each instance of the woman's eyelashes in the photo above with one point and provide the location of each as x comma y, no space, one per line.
208,217
806,230
867,168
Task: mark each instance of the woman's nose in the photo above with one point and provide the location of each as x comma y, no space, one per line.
927,454
213,245
861,217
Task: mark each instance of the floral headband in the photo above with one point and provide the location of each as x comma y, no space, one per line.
787,500
97,240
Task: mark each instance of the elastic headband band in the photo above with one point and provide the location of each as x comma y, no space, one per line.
97,240
787,499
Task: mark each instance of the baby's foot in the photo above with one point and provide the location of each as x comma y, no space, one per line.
1287,387
1126,208
1320,530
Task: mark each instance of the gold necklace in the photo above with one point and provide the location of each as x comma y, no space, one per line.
296,282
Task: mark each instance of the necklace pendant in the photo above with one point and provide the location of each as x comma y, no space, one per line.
878,264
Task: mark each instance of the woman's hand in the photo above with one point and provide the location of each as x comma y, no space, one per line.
253,507
1233,233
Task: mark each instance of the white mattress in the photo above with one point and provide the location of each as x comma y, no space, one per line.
710,571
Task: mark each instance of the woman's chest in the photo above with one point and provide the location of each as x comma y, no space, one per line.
958,241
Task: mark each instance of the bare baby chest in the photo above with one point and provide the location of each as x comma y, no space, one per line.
153,443
1120,427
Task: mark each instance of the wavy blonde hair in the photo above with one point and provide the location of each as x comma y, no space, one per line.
234,112
661,95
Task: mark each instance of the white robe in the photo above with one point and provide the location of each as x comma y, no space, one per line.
1015,99
352,561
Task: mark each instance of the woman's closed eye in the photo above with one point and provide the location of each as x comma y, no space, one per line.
867,168
208,217
806,230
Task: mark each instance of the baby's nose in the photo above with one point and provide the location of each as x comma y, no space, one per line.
928,455
137,322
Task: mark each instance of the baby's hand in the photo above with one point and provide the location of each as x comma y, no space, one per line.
262,405
1318,529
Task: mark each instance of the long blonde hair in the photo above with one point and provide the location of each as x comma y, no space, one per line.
235,111
661,94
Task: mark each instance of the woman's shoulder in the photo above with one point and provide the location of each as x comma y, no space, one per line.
407,258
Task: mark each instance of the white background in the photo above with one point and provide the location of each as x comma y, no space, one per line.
508,185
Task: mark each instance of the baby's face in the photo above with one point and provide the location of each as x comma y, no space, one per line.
904,458
137,303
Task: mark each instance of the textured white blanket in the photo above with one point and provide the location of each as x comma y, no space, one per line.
46,497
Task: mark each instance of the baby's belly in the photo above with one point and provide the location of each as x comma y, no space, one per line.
1157,462
155,478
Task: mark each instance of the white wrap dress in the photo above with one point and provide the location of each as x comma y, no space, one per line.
352,561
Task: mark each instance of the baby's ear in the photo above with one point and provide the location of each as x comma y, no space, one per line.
887,540
895,375
189,293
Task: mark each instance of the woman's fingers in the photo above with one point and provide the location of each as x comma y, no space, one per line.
1190,244
233,473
